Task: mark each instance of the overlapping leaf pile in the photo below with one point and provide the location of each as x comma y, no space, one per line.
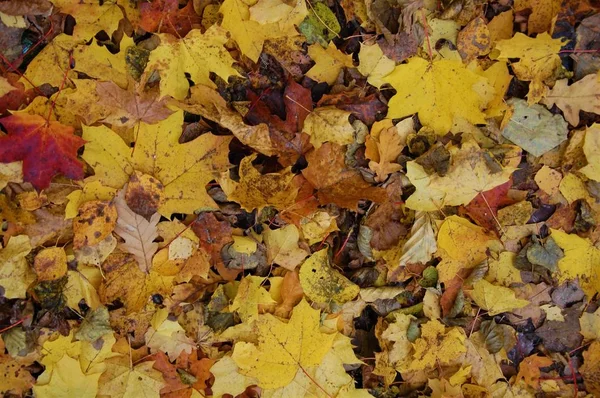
299,198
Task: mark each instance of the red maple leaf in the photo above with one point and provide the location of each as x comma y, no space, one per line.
46,148
165,16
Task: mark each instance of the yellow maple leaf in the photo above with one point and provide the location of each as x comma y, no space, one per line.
538,59
123,380
461,244
67,380
591,149
256,190
183,169
167,336
580,261
324,284
437,346
503,269
133,286
328,124
438,91
373,64
197,54
250,28
250,298
469,174
282,246
296,358
91,17
328,63
15,274
317,226
228,379
495,299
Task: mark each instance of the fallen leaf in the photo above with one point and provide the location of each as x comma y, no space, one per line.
461,245
50,264
579,261
328,124
167,336
590,149
15,274
374,65
67,380
165,16
197,54
322,283
538,59
282,246
328,63
470,165
256,190
495,299
128,107
46,148
335,183
534,128
121,379
438,92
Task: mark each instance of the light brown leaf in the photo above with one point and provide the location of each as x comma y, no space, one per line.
139,233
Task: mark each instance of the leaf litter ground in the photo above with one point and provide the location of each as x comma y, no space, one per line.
299,198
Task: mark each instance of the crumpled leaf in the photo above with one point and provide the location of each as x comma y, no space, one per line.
538,60
534,128
167,336
495,299
322,283
335,183
46,148
473,167
438,92
256,190
328,124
